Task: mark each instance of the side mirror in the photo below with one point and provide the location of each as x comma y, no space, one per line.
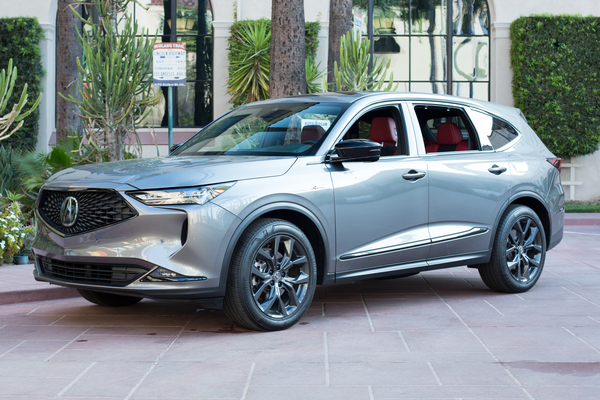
174,147
356,150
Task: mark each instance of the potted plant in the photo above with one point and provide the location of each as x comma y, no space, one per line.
22,256
192,16
181,20
12,230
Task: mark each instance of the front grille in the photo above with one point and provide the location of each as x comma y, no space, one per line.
97,209
89,273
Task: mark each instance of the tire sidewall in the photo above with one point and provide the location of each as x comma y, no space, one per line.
514,215
263,235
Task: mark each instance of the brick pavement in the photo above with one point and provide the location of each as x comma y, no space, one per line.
437,335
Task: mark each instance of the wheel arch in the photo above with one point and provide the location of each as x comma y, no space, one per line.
297,215
537,204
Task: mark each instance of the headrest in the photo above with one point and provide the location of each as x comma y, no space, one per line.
448,134
383,130
311,132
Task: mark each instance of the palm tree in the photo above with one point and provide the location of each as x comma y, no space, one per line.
288,70
68,49
340,22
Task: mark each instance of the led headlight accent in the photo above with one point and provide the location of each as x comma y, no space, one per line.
199,195
161,274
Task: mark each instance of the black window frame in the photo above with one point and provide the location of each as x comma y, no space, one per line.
449,36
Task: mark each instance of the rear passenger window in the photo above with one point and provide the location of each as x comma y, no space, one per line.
445,129
494,133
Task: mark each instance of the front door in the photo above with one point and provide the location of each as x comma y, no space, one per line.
381,207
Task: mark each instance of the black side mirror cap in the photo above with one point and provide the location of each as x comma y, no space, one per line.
356,150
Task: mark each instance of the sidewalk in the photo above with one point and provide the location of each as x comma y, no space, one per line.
18,286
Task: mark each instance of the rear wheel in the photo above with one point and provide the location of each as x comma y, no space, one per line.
518,254
108,299
272,276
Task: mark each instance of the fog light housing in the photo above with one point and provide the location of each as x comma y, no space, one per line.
161,274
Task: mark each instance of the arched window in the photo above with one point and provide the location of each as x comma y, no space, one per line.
435,46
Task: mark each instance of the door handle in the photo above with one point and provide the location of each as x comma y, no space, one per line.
413,175
496,170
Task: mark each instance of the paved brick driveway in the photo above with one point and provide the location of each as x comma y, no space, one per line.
438,335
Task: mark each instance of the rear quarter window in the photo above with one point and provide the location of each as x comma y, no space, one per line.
494,133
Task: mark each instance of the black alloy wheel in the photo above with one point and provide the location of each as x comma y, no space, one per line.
272,276
518,254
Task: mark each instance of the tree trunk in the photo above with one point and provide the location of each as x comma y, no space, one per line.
68,50
430,31
340,22
288,71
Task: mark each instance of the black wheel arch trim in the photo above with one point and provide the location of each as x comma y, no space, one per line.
324,277
514,199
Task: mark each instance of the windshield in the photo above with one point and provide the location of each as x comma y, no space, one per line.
286,128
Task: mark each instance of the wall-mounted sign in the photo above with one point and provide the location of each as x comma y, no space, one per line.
169,64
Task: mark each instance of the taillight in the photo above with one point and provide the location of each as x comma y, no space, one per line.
557,162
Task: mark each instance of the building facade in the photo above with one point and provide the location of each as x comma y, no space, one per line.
460,47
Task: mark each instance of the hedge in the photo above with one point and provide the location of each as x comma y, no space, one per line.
20,41
556,82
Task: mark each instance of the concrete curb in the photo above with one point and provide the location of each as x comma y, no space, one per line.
31,295
572,219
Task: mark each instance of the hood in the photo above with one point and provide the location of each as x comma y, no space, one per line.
171,172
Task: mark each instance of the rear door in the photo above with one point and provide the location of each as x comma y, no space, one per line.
468,184
381,207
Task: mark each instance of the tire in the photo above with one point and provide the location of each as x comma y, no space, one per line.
518,254
270,289
108,299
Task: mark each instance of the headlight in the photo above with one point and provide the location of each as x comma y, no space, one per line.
198,195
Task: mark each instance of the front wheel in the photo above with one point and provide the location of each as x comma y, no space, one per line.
518,254
108,299
272,276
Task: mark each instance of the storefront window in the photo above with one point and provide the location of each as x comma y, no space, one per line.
435,46
190,22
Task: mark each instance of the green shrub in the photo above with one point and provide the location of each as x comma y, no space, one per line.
19,40
249,47
575,206
353,73
249,56
556,81
9,175
311,35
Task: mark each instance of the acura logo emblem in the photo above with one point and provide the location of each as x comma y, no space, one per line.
68,211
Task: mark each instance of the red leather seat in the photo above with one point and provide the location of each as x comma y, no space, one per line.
311,132
449,138
383,130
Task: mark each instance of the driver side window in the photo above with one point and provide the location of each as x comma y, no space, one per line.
382,126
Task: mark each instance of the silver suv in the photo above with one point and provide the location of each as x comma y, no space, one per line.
278,196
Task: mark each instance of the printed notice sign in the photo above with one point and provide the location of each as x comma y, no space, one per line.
169,64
